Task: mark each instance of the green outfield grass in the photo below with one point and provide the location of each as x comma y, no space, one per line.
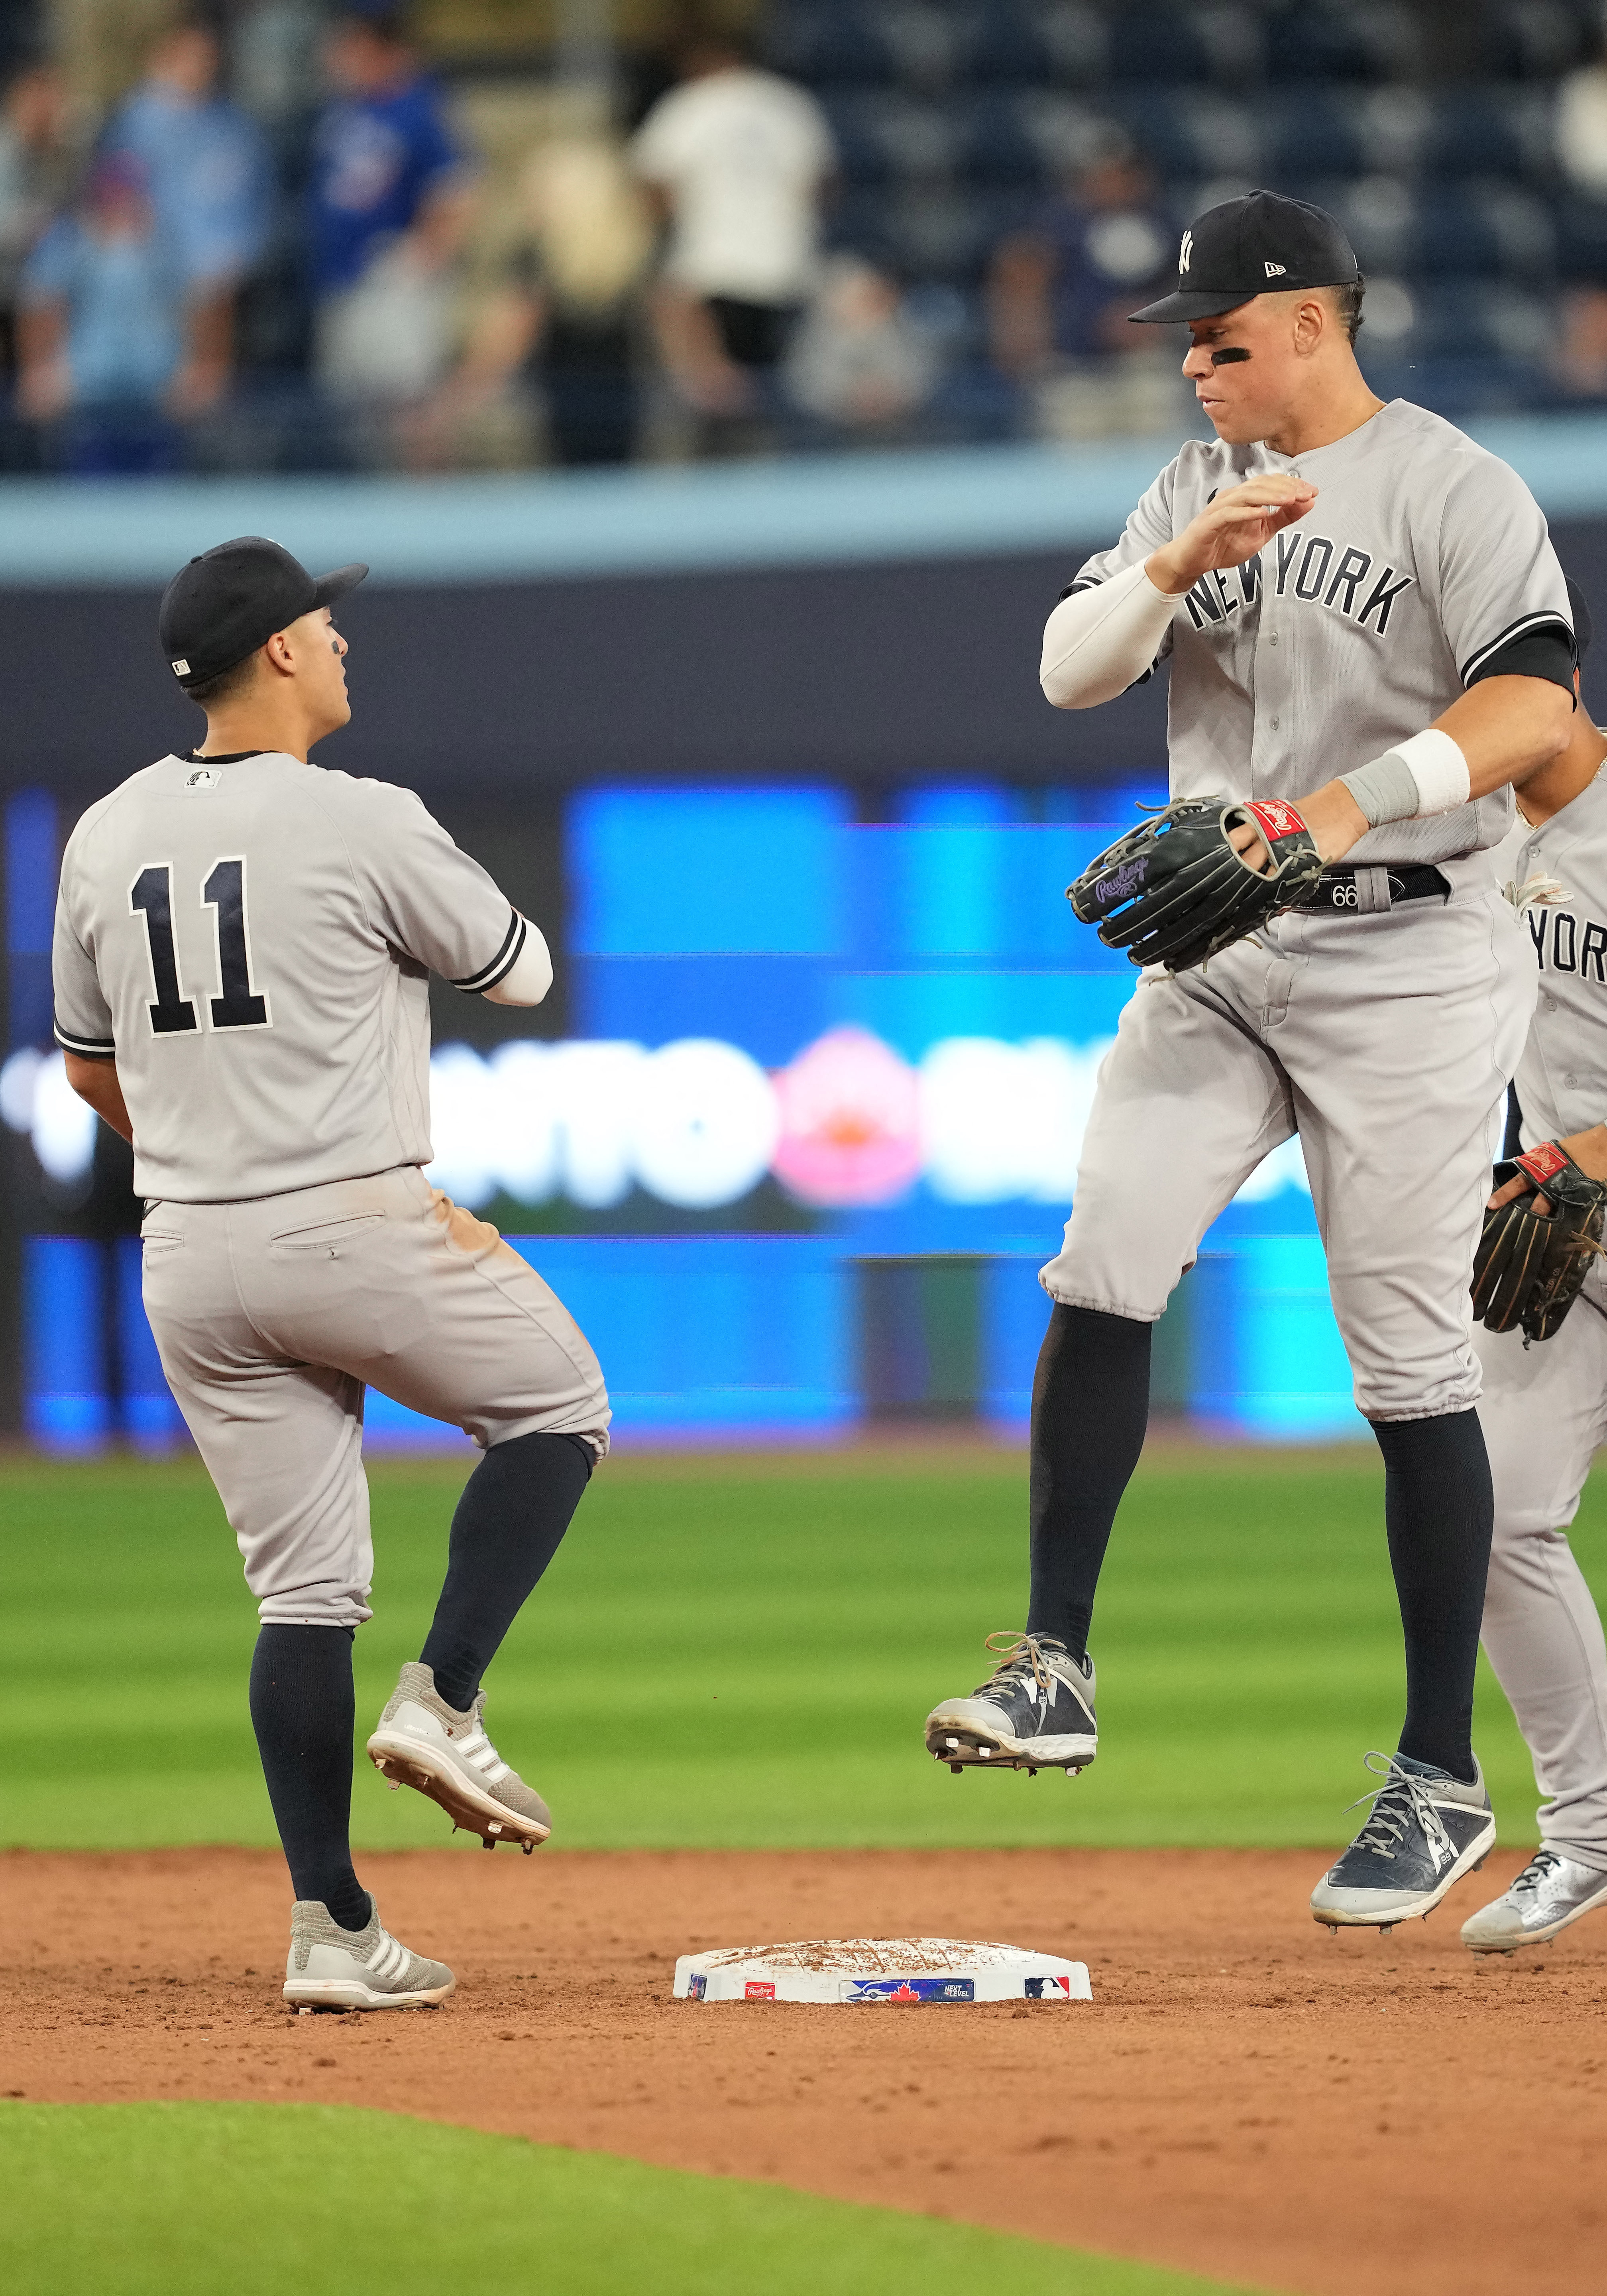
184,2200
741,1653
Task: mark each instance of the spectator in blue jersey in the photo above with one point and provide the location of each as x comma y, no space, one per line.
1060,292
389,206
210,188
1063,287
104,330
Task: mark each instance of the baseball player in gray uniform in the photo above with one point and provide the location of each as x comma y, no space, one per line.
1369,638
1544,1409
242,951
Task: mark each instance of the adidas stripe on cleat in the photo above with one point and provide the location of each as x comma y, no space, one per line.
424,1742
331,1968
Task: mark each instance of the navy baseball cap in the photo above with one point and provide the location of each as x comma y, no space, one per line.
228,601
1259,245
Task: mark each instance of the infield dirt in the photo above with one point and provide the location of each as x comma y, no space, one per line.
1243,2096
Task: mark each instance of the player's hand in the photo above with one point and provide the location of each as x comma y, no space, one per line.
1250,848
1589,1153
1241,520
1331,814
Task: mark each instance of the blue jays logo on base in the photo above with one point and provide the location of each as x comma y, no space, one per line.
910,1988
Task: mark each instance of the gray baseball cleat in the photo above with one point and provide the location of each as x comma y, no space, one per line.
331,1968
1035,1712
1551,1891
1426,1831
422,1742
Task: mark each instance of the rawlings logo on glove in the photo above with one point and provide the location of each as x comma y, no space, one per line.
1175,890
1530,1266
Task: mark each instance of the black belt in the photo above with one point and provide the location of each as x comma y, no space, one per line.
1364,892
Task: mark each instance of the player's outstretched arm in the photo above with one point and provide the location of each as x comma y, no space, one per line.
1104,637
98,1083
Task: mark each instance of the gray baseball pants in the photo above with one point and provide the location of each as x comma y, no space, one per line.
272,1315
1387,1042
1543,1412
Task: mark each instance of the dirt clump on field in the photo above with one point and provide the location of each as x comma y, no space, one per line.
1243,2096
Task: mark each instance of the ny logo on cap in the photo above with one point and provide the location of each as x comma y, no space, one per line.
1186,251
1276,270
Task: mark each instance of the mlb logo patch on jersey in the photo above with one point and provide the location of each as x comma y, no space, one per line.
204,778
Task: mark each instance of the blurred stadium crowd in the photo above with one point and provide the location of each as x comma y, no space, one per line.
348,234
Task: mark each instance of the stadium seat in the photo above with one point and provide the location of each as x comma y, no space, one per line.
1490,131
1008,47
1534,39
998,143
862,156
828,44
1472,231
1159,46
1312,131
1470,318
1581,227
1334,40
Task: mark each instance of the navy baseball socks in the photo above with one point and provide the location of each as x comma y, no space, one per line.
515,1508
510,1522
1439,1510
513,1512
1432,1820
303,1709
1090,1407
1090,1404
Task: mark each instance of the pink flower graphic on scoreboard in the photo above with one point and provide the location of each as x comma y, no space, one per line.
851,1125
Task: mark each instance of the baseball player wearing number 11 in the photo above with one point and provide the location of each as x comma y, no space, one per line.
242,955
1369,638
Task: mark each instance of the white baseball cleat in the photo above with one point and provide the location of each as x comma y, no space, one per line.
424,1742
331,1968
1035,1713
1551,1891
1427,1830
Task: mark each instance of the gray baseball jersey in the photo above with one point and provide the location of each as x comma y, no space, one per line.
1562,1078
1423,560
252,939
1544,1409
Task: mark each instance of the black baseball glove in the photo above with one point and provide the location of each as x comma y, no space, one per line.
1174,891
1529,1269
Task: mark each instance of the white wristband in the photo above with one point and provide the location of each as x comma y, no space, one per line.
1422,775
1440,771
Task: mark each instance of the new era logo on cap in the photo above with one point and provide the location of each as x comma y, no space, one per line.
181,669
1277,270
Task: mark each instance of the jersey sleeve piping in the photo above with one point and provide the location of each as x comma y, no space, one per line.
1543,619
87,1048
475,984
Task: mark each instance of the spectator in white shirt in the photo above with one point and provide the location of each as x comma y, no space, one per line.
737,161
